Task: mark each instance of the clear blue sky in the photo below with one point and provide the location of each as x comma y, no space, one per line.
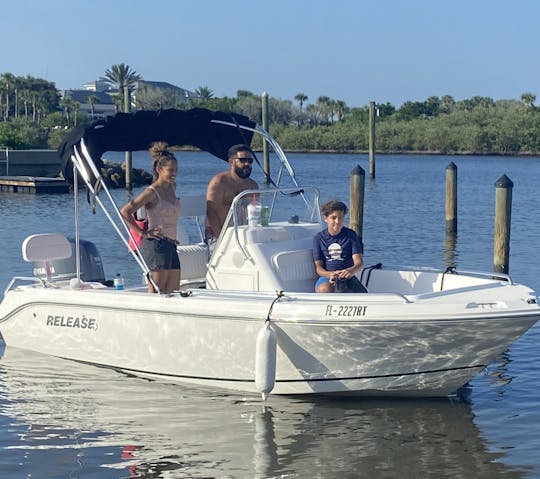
352,50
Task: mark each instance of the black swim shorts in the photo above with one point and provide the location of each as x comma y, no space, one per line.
160,254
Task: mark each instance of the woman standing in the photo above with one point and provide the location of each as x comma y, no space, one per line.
158,247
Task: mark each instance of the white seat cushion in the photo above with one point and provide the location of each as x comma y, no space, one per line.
46,247
193,261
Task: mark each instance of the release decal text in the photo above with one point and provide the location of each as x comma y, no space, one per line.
71,322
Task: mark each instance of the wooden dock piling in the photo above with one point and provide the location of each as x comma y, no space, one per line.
451,198
503,214
356,214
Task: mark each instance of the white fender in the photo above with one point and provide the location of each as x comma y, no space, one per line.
265,360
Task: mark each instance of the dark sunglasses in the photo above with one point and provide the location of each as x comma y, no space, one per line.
245,160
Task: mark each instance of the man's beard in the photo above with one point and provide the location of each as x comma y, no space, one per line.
242,172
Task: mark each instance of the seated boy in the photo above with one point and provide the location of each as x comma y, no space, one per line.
337,250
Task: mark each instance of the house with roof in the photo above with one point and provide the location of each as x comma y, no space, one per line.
155,95
96,104
98,100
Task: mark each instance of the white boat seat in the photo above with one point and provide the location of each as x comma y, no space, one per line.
46,247
193,261
295,270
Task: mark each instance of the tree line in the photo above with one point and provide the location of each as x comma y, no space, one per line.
33,115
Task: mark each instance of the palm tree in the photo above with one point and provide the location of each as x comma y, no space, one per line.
121,76
76,106
3,90
92,100
8,81
68,105
204,93
301,98
529,99
341,109
324,105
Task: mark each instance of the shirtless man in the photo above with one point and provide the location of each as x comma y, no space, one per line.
225,186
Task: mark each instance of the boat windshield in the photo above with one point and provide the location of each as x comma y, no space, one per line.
291,205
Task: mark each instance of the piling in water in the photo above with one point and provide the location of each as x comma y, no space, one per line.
451,199
356,215
503,215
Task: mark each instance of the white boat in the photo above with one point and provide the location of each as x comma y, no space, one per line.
246,317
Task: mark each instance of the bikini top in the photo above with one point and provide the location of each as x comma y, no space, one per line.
164,215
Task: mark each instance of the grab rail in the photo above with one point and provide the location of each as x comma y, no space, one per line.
33,279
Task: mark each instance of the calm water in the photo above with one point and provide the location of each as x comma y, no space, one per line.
61,419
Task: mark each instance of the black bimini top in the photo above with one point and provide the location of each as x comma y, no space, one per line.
137,131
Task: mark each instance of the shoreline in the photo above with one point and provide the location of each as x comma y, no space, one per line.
528,154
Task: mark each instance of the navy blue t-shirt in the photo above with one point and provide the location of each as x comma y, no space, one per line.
336,251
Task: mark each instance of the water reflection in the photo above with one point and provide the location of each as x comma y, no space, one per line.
62,418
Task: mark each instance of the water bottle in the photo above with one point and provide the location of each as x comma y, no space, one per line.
254,212
118,282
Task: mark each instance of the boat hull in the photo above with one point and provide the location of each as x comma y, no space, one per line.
209,338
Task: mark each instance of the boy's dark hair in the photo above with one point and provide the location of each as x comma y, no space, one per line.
334,205
233,150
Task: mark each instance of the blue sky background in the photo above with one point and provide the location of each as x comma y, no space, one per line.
352,50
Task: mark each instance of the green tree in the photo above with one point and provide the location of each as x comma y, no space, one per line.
204,93
8,83
529,99
447,104
301,98
92,100
324,109
244,93
341,109
121,76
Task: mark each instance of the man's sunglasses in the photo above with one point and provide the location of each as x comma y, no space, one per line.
245,160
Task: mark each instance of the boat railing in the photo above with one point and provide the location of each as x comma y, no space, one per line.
28,279
420,280
453,270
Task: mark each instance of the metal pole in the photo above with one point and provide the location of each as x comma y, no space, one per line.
372,139
77,237
266,156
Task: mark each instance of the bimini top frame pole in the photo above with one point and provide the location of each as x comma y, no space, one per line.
273,143
284,162
86,167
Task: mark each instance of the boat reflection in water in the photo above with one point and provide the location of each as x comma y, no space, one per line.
60,418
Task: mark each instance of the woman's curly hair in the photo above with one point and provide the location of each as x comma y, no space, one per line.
159,151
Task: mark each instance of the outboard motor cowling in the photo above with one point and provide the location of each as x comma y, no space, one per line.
91,264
